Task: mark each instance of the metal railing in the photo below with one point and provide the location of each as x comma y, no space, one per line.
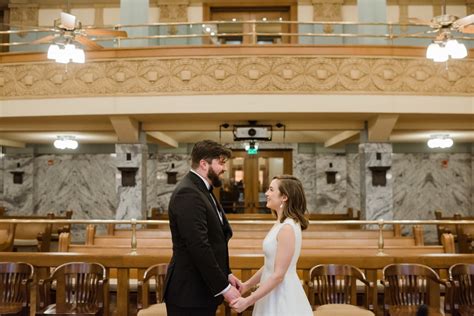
134,222
246,32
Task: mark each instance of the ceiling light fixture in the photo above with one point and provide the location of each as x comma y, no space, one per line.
440,141
67,54
440,51
66,142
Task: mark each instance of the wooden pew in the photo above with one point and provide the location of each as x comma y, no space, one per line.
7,235
463,234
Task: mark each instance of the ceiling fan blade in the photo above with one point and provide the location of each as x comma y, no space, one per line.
419,21
464,21
467,29
87,43
404,35
68,21
103,32
43,40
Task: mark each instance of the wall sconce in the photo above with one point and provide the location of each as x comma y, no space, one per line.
128,176
379,176
17,177
171,175
331,175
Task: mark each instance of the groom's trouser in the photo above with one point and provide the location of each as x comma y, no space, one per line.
173,310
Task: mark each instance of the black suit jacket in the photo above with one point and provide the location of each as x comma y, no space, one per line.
199,267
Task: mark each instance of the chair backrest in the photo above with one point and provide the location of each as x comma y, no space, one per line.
335,284
461,276
77,284
409,285
157,273
15,278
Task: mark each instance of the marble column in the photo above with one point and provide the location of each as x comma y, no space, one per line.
131,180
376,194
18,184
134,12
372,11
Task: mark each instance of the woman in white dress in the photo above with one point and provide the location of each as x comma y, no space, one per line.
280,292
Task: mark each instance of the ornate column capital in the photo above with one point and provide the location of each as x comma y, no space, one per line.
173,10
23,13
469,7
327,10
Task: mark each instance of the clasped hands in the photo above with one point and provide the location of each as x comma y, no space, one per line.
233,295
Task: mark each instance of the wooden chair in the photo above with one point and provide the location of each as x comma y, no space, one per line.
157,273
337,284
15,279
407,286
79,290
461,277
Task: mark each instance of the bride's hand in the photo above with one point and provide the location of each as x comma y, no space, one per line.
240,304
244,288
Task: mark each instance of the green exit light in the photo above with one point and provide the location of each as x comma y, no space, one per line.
252,151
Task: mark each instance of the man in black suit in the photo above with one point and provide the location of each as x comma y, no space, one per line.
199,277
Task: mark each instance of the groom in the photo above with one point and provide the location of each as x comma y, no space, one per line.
199,277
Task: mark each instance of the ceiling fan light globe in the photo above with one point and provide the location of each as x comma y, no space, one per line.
53,51
460,51
63,58
432,143
73,144
78,56
441,55
432,50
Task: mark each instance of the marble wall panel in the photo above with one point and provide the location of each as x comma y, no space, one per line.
83,183
159,192
18,198
353,181
304,168
331,198
425,182
131,199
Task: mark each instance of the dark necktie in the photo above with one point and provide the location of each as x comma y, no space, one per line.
216,206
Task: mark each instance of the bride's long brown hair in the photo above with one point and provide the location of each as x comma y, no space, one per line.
295,205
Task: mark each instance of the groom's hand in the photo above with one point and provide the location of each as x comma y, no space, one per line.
231,294
235,282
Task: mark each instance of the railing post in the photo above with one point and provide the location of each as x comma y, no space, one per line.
254,32
134,236
381,241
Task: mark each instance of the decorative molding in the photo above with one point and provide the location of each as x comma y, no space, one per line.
173,11
23,15
251,74
470,7
327,10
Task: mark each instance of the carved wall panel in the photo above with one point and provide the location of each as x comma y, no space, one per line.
222,75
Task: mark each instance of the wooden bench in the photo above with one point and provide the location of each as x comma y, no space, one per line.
7,236
463,234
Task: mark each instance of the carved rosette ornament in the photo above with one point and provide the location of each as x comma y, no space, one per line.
173,11
327,10
23,15
238,75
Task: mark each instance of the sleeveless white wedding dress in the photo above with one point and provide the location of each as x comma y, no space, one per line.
288,298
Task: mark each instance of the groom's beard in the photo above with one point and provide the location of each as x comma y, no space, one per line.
214,177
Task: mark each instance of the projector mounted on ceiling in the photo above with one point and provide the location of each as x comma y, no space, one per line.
252,132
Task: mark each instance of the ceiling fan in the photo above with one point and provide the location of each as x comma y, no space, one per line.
445,24
67,30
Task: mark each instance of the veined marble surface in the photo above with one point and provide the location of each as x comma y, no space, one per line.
353,181
304,168
331,198
131,199
376,201
18,198
159,191
424,183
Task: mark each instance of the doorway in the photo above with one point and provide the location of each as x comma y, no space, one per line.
248,177
235,29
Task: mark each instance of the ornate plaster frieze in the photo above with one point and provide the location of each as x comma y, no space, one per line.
252,74
173,11
23,15
327,10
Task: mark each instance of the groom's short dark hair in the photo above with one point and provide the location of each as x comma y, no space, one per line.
208,150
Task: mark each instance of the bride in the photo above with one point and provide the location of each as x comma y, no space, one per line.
280,292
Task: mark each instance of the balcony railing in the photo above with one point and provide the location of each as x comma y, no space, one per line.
243,33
